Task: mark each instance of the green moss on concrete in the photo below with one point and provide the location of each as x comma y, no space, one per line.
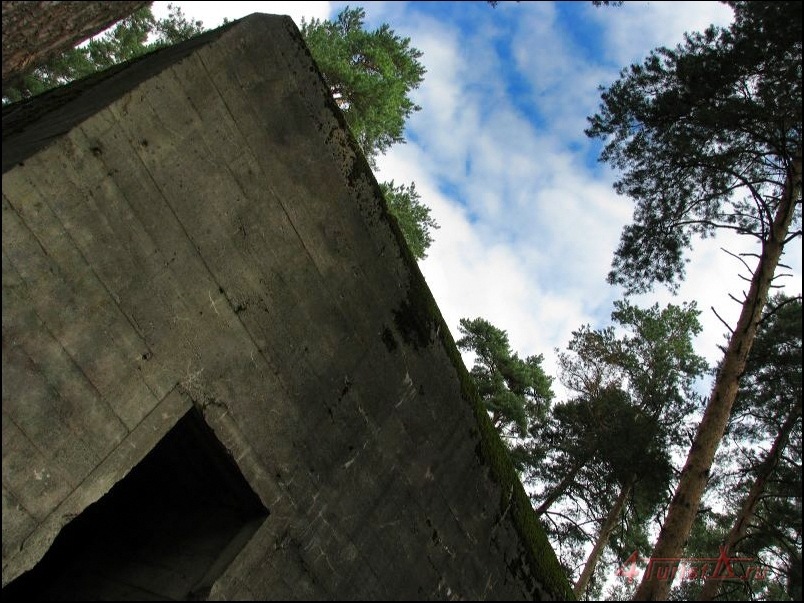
420,322
541,557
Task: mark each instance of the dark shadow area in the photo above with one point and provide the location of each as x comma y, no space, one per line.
165,532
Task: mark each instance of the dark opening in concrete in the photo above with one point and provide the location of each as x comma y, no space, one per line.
166,531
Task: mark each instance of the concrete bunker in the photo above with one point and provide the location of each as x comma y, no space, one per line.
194,239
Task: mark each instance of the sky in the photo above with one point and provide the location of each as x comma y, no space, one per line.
528,218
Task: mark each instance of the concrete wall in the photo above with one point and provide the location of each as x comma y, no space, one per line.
199,230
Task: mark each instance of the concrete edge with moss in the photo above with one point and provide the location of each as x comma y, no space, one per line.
541,556
420,319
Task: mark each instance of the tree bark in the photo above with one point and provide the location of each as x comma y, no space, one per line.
565,483
687,498
602,540
740,527
35,32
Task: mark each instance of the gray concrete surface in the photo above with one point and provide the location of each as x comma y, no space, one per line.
199,230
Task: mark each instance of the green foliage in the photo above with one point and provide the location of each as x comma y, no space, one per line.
371,75
708,137
132,37
608,428
633,385
635,393
770,395
516,392
634,390
705,136
771,384
176,28
412,215
654,360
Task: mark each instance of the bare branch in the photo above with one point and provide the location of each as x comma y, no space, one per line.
738,229
792,236
775,309
784,274
742,261
568,520
721,320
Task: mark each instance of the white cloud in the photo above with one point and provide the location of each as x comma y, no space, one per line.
518,204
528,230
635,28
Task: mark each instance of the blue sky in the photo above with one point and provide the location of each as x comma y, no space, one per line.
529,220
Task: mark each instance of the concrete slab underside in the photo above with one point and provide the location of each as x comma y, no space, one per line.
199,230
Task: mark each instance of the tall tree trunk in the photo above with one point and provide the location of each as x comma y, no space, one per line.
687,498
602,540
738,530
35,32
556,492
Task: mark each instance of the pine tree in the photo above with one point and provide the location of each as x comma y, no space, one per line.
708,137
516,391
611,443
413,216
137,34
36,32
765,488
371,75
